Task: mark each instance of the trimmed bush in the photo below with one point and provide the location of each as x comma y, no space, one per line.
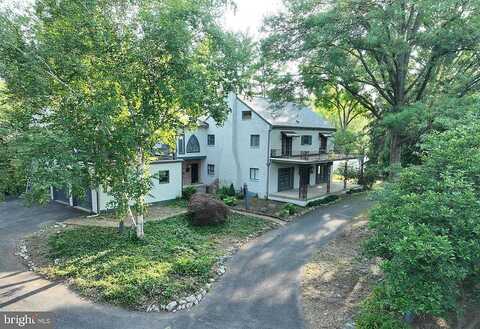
325,200
188,191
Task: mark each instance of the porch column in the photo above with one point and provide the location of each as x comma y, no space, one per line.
304,172
329,175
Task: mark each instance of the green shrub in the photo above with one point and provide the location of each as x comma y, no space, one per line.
290,209
231,190
374,314
230,200
426,225
325,200
188,191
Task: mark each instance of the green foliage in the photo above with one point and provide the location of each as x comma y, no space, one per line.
226,191
375,314
94,90
291,209
387,56
231,190
326,200
349,174
175,259
188,191
230,200
426,226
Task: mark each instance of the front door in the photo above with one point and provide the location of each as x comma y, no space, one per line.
285,179
194,173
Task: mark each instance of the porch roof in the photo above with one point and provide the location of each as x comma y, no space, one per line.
309,158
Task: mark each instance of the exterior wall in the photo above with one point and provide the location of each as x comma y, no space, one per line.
232,155
159,192
276,140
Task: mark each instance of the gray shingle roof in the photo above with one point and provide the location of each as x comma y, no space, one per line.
286,114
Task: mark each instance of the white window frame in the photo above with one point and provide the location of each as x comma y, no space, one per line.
256,173
251,140
211,172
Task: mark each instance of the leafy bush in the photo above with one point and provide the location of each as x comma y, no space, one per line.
325,200
231,190
374,314
230,200
290,209
226,191
188,191
426,226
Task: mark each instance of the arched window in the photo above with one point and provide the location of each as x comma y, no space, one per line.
193,146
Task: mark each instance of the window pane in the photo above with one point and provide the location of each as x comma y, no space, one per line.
306,140
211,169
254,173
164,176
211,140
246,115
254,140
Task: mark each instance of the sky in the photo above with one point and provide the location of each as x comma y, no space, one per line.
249,15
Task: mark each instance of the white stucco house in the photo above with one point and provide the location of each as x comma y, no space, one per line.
282,153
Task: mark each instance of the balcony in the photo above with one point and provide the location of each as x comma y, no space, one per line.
306,157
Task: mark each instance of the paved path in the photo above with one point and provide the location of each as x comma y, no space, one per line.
259,291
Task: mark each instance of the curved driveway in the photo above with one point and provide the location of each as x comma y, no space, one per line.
259,291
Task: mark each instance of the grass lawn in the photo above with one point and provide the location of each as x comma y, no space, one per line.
174,260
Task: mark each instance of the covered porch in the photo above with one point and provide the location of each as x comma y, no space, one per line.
300,181
314,192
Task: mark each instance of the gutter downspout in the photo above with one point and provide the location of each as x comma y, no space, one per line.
268,161
235,142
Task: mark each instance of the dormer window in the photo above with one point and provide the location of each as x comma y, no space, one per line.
246,115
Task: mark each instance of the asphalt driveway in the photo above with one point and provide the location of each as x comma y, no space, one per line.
259,291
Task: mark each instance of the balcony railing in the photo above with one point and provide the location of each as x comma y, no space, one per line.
321,155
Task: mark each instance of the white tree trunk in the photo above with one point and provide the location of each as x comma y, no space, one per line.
141,201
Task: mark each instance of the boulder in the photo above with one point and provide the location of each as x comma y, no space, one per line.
205,210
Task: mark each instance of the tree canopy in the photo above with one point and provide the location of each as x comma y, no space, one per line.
386,54
99,83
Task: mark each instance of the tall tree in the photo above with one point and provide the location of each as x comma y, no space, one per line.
101,82
385,54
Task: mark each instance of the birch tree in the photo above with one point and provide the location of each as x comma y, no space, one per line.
101,82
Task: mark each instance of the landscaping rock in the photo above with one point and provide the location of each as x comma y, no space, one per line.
171,306
189,306
205,210
153,308
182,301
191,299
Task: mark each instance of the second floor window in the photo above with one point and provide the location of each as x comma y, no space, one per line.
193,146
246,115
181,144
211,169
211,140
254,173
254,140
307,140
